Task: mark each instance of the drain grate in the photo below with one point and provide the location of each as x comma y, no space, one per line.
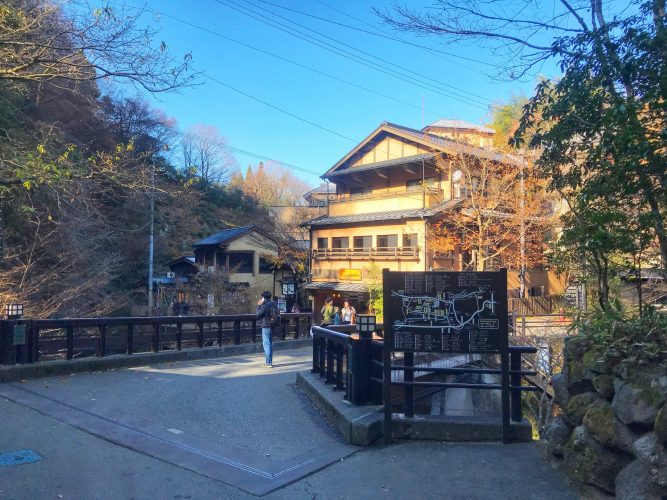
19,457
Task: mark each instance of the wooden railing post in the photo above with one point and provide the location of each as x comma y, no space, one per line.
297,324
179,335
130,346
330,364
237,331
339,367
254,331
102,341
219,333
156,337
200,335
69,342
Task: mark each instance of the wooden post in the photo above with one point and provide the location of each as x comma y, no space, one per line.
102,341
130,347
156,337
69,342
200,336
179,335
409,376
237,331
219,333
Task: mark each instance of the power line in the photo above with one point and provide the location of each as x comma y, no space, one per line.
290,61
417,80
380,33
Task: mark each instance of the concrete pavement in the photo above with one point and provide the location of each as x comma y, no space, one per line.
223,428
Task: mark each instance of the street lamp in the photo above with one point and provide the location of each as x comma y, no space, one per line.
365,325
13,311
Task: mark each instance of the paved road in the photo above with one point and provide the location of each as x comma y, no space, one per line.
224,429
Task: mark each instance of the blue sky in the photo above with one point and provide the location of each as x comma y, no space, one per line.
466,88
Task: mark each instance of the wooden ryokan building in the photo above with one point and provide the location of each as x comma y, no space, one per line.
388,193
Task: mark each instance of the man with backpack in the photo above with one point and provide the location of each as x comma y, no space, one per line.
269,316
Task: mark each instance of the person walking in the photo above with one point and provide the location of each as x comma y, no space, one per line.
266,310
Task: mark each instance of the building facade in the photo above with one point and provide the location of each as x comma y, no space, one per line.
389,191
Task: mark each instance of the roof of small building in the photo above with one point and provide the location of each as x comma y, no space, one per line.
224,236
459,124
322,189
412,213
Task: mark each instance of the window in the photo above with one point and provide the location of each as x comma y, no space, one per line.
322,243
356,191
416,184
387,241
240,262
410,240
265,266
340,242
363,241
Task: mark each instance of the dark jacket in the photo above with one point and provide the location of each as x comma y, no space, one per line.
264,314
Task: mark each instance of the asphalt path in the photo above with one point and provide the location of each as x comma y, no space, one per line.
195,429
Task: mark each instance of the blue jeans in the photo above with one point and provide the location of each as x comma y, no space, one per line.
268,345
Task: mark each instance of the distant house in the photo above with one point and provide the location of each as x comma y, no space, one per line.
244,255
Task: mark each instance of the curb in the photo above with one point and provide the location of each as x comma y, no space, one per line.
65,367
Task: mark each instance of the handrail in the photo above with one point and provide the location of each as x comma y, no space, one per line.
330,356
351,253
220,329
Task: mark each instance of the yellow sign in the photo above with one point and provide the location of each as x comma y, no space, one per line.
349,274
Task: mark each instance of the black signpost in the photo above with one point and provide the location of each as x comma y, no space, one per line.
452,312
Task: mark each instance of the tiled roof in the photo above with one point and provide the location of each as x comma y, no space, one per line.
322,188
457,146
338,287
460,124
325,220
224,236
385,163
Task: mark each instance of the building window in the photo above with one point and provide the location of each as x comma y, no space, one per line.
322,243
340,242
265,266
410,240
416,184
240,262
356,191
387,241
363,241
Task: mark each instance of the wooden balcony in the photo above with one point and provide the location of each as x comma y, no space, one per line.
374,253
433,193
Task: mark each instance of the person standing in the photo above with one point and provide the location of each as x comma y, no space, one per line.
348,312
327,311
265,311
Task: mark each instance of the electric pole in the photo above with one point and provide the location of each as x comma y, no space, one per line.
150,241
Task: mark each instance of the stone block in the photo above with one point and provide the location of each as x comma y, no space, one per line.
589,462
575,347
561,393
599,422
646,448
661,425
635,482
578,406
557,434
633,404
604,386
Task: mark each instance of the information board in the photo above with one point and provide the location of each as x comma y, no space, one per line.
460,312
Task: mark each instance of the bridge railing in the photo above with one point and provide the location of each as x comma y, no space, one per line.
331,356
50,339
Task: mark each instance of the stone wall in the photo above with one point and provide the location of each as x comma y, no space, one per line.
612,432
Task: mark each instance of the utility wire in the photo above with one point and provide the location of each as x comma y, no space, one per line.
380,33
290,61
417,80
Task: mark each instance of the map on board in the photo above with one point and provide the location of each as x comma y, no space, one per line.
446,311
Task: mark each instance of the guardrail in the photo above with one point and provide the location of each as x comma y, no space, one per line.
331,357
49,339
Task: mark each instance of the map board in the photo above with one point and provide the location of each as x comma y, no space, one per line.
460,312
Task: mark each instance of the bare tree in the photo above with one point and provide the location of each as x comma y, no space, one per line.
46,42
207,155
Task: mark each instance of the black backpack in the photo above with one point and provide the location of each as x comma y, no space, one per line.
274,315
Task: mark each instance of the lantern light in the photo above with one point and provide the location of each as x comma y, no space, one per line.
13,311
366,325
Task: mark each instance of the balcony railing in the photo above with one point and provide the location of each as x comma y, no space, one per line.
388,253
383,194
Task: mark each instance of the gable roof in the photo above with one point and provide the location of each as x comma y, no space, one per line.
459,124
435,142
224,237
